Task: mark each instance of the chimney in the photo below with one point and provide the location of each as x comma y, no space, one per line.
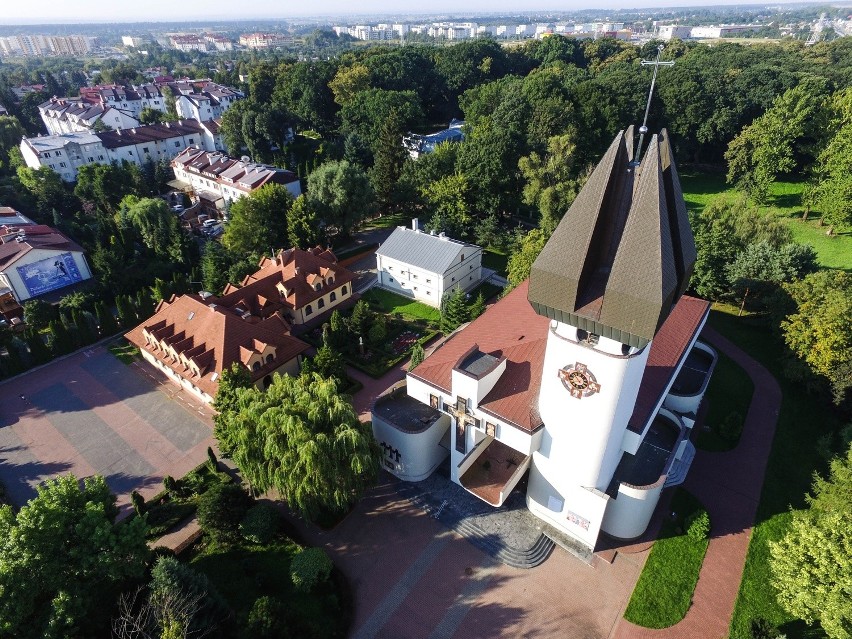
415,224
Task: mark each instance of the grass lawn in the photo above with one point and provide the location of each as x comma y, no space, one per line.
496,260
785,202
730,391
388,302
664,590
245,573
124,351
388,221
803,419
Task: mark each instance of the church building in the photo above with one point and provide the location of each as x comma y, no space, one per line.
584,381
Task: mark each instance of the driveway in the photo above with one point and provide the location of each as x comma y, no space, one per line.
91,414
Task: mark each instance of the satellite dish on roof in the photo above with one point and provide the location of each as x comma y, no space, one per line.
245,159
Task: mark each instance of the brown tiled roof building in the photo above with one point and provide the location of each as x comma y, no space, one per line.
193,339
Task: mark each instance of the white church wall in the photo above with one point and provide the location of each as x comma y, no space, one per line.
575,511
421,391
587,433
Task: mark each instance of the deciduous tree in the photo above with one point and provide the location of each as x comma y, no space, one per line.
258,222
304,439
811,563
62,555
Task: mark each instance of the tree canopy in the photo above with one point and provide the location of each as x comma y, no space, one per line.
812,563
258,222
303,438
62,556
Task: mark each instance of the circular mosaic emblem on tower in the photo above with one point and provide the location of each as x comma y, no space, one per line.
579,380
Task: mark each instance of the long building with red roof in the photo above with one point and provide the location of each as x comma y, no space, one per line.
193,338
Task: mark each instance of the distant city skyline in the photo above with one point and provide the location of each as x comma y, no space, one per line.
83,11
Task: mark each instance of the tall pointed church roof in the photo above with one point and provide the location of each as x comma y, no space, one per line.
623,253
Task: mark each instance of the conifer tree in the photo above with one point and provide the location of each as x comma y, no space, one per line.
477,308
145,304
106,320
60,338
417,356
126,312
85,332
39,352
454,310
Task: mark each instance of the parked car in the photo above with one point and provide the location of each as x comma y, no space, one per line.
178,208
209,223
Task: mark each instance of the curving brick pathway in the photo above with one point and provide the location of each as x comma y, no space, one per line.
729,485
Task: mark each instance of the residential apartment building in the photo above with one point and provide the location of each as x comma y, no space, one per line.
187,43
67,152
34,46
265,40
67,115
199,99
217,178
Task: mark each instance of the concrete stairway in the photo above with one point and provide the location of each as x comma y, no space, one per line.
680,467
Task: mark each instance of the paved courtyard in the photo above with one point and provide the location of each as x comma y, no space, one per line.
413,578
91,414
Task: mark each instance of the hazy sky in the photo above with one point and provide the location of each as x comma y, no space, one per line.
37,11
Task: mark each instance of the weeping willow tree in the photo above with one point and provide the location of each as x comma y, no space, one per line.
303,439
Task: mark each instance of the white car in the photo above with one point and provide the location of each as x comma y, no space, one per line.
208,223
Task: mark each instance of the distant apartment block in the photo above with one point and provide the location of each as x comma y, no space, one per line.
265,40
34,46
187,42
66,153
134,42
685,32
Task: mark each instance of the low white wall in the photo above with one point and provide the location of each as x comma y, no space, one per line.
627,516
419,453
688,404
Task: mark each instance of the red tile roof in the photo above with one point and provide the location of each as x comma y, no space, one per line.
38,236
508,329
512,329
668,349
213,337
294,270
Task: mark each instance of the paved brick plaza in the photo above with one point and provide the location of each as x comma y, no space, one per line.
91,414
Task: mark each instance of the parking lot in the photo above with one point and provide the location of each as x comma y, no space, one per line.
91,414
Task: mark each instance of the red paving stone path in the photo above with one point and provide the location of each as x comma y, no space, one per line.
729,486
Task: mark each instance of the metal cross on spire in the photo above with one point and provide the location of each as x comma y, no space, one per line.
644,128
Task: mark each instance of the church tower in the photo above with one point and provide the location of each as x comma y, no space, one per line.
607,279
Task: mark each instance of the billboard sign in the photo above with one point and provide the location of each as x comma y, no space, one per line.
50,274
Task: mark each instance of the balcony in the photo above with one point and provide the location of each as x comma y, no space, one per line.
492,470
654,458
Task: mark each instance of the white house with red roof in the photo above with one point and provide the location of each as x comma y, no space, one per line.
586,379
37,259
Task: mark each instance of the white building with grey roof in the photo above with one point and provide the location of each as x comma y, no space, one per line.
425,266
